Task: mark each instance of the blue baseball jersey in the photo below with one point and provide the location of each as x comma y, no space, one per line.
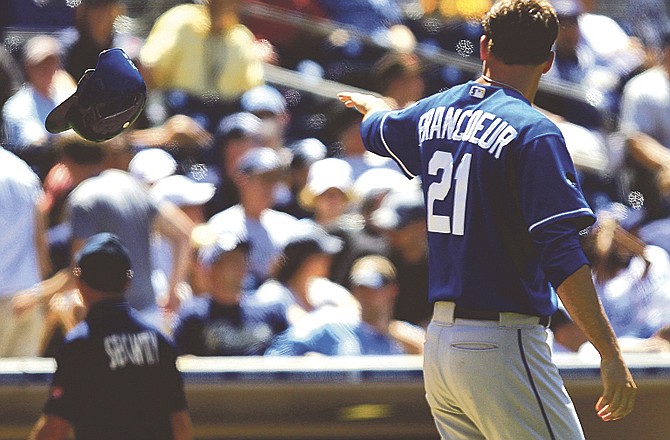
495,172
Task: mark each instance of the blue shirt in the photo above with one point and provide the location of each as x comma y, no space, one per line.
495,173
116,377
331,332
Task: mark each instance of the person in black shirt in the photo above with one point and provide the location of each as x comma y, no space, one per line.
401,219
224,323
116,376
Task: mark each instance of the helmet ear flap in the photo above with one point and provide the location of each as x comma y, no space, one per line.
103,120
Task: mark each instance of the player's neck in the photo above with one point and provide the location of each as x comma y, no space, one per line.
523,79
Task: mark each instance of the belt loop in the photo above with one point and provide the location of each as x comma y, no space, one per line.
443,311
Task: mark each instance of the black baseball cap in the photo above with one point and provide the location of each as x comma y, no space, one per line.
104,264
108,99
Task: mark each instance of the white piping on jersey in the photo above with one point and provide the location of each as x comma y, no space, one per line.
555,216
396,158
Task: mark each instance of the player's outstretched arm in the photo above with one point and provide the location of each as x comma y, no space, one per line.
581,301
364,103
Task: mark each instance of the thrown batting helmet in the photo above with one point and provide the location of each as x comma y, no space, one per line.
108,99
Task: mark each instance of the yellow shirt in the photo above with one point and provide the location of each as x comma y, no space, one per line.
181,54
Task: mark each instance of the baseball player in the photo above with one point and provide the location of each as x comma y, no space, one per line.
116,376
504,211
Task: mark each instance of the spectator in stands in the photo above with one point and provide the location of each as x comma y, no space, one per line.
344,132
11,78
129,212
359,233
25,112
304,153
645,101
402,219
23,258
182,136
190,197
648,21
631,277
257,174
269,105
93,32
151,165
300,282
203,54
457,9
292,41
596,161
381,18
397,76
235,135
593,51
332,332
328,191
223,323
611,44
77,162
328,194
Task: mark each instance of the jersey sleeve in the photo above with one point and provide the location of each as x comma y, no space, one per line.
548,187
394,134
64,393
174,398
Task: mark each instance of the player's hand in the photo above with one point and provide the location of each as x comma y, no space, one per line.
619,390
363,102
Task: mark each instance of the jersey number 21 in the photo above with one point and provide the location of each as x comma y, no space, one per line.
438,191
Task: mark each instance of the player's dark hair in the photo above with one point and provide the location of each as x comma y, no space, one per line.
521,31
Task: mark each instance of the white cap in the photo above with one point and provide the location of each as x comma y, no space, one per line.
182,191
151,165
325,174
39,48
378,180
263,99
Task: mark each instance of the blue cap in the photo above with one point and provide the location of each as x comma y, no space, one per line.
259,160
226,241
103,263
263,99
238,125
108,99
398,209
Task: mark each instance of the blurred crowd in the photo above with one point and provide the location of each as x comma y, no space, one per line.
256,221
